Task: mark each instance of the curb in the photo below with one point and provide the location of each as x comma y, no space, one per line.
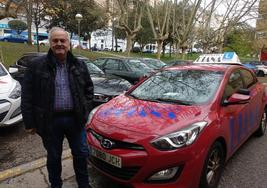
21,169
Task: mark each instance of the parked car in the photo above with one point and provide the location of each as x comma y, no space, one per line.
251,67
22,64
10,98
44,42
14,38
155,64
178,127
136,49
131,69
261,67
106,87
179,63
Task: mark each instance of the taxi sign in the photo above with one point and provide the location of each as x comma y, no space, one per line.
225,58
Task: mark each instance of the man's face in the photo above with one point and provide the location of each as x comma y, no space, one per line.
60,44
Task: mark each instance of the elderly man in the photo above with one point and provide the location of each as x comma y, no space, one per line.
57,95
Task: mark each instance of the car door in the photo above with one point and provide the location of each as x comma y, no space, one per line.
238,120
111,66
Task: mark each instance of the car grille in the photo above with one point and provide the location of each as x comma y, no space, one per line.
3,115
124,173
117,144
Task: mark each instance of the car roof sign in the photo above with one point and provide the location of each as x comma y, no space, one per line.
225,58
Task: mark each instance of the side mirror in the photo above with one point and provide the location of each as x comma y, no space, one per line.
243,91
237,98
12,70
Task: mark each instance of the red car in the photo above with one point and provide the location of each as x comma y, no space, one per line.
178,127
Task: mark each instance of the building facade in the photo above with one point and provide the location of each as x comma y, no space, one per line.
261,30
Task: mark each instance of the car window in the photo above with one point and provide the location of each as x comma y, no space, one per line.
233,85
99,62
112,64
185,86
249,79
2,71
93,69
24,61
137,65
122,67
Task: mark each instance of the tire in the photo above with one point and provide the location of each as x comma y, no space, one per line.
260,74
213,166
262,126
5,40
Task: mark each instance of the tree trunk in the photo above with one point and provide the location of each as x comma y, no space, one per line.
159,48
129,44
29,21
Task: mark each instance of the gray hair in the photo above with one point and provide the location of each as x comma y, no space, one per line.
53,29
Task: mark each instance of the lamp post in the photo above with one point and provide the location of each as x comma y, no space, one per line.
79,17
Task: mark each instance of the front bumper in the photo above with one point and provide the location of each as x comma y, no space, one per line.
10,112
139,165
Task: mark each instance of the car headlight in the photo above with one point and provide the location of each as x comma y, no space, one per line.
16,92
90,117
180,138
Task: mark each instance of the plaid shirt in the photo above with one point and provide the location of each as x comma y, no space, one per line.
63,96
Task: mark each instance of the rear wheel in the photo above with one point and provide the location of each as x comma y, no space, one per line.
260,74
213,166
262,126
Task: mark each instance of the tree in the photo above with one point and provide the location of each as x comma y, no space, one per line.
62,13
130,14
183,22
159,19
220,24
10,8
144,36
17,25
240,40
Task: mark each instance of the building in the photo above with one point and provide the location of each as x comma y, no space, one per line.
261,30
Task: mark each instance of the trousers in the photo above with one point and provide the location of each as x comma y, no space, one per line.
64,126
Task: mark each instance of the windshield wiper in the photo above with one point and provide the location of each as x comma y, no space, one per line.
187,103
133,96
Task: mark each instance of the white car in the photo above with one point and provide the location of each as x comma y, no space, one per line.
44,42
10,98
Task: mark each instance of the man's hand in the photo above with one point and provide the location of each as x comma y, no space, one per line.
31,131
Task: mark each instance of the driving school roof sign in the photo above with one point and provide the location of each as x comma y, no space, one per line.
225,58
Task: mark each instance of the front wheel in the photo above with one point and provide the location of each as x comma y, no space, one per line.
213,166
262,126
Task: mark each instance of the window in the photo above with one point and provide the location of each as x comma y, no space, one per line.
180,86
112,64
2,71
248,78
234,84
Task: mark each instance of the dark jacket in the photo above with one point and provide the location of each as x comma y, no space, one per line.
38,92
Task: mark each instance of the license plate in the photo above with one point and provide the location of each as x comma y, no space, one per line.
111,159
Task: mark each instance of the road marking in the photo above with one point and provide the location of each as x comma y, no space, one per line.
21,169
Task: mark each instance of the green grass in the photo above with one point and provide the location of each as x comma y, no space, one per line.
10,52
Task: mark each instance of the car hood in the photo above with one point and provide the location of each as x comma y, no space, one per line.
109,85
147,117
6,84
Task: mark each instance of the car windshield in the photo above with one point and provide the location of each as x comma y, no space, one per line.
2,71
153,63
93,69
179,86
137,65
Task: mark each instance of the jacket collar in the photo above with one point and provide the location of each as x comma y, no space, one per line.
71,59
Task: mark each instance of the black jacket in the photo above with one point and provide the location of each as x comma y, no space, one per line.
38,92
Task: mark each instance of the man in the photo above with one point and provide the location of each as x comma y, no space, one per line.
57,93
